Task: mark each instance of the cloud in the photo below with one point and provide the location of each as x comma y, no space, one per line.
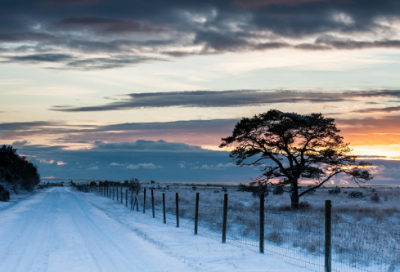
61,163
19,144
219,166
108,63
47,161
163,165
70,2
40,58
25,37
104,26
143,165
375,110
373,130
144,145
262,3
106,30
192,131
227,99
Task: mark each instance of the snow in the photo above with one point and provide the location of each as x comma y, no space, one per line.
60,229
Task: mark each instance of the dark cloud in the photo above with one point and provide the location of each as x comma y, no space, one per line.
173,27
70,2
41,58
104,26
29,125
227,99
25,37
71,62
375,110
108,63
348,44
157,161
143,145
192,131
263,3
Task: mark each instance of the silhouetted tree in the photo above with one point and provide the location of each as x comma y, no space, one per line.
17,169
293,147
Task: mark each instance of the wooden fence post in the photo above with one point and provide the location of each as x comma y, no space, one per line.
117,193
113,188
144,200
152,202
132,200
177,209
137,199
262,214
328,236
121,195
126,198
163,205
225,217
107,189
196,215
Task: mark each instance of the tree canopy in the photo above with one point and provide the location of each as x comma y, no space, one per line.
16,169
291,147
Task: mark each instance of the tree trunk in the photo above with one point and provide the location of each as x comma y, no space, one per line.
294,197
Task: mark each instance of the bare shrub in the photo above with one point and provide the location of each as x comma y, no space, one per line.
304,205
375,198
275,237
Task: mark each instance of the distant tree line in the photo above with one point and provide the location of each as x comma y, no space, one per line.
16,170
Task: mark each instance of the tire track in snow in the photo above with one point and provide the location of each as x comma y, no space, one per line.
59,230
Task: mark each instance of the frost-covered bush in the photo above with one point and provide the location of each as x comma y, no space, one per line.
375,198
304,205
334,191
4,194
356,194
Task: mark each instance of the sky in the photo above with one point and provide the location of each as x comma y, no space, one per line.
147,89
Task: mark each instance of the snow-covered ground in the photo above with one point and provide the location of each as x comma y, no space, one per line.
15,198
60,229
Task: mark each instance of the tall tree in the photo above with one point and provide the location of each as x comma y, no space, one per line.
292,147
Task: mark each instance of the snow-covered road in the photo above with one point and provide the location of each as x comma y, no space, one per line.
64,230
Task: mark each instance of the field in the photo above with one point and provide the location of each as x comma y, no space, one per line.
365,235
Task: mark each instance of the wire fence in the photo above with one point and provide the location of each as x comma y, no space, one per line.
317,242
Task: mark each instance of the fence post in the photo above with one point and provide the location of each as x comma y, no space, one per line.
177,209
225,217
126,198
107,189
132,200
117,193
113,188
163,206
196,215
152,202
262,223
137,199
144,200
121,195
328,236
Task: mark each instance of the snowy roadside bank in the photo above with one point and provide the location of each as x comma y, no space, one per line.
16,198
199,252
